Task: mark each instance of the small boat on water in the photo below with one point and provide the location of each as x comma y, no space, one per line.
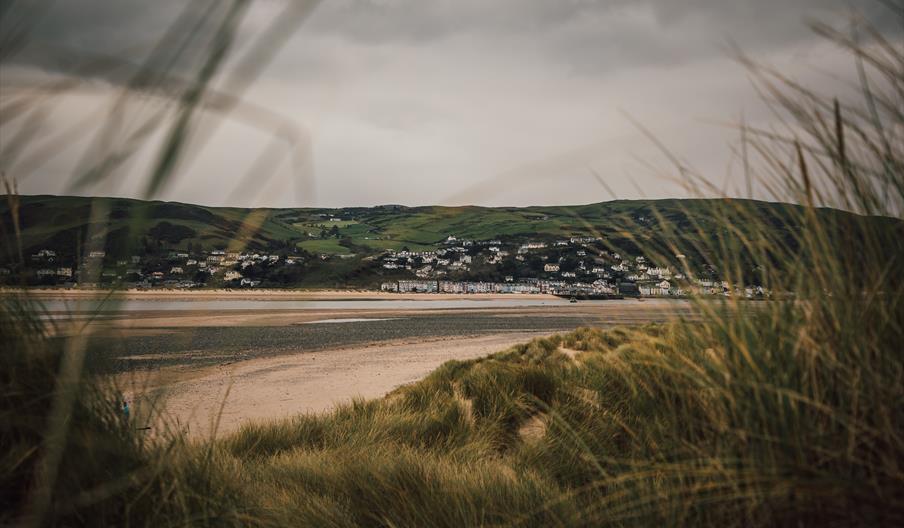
572,300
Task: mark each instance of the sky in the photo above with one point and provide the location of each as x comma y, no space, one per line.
415,102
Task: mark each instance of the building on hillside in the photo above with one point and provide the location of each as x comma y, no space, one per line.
533,245
659,272
655,289
551,268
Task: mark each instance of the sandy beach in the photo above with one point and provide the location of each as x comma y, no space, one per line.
274,360
278,387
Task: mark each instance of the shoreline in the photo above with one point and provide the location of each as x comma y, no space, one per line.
261,294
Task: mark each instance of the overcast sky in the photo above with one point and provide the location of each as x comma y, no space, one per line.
508,102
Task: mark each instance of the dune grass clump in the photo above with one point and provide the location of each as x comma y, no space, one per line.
69,457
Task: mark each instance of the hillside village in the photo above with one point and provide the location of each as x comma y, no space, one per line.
577,266
595,250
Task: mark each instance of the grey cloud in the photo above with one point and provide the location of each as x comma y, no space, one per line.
585,32
415,101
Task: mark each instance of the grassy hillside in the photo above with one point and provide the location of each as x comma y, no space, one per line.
61,223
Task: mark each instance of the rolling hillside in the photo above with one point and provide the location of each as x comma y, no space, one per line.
693,228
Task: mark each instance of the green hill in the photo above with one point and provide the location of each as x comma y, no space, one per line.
123,227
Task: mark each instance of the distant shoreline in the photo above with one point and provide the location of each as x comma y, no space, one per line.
266,294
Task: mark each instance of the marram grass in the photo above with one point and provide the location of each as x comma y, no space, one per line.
671,424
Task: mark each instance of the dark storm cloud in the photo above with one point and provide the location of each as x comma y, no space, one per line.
585,33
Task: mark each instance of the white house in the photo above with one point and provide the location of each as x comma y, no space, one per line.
533,245
655,288
659,272
551,268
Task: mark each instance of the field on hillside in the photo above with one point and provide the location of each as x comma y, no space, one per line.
63,223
